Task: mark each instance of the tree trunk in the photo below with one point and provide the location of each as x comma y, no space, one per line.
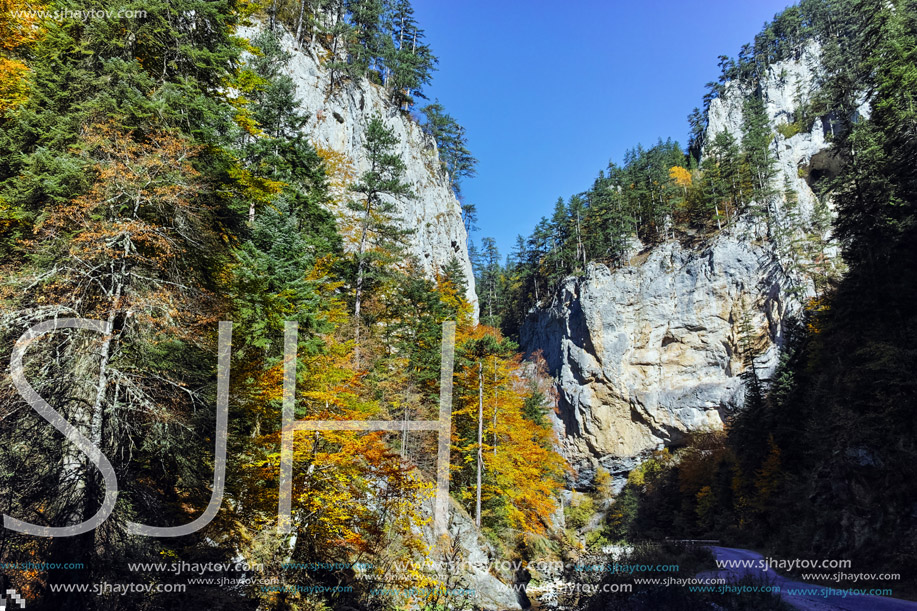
334,49
495,406
302,10
361,269
356,311
477,514
78,485
579,239
404,433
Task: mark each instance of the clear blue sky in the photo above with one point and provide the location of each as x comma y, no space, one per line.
549,92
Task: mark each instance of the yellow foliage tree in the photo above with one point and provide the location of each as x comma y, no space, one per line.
19,27
521,470
681,176
353,497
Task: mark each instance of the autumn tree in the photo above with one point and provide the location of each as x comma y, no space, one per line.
19,27
520,470
138,251
353,497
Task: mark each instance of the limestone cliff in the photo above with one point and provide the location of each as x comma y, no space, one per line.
337,124
648,352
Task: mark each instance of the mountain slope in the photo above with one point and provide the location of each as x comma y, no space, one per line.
337,124
656,348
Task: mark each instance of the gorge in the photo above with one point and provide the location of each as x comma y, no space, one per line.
710,350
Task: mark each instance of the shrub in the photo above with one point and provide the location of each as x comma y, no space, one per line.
788,130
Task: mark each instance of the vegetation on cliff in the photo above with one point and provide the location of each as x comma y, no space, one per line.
155,175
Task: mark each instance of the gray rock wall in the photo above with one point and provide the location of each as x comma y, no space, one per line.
646,353
337,123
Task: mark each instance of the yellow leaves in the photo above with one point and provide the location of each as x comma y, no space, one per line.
454,299
245,9
268,386
681,176
248,81
19,26
521,469
244,81
254,187
13,88
340,172
19,23
817,308
636,478
350,492
8,216
244,119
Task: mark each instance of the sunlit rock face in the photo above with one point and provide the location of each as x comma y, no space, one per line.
651,351
646,353
337,123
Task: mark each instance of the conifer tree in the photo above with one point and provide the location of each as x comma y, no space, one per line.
721,177
410,62
488,283
757,137
380,238
451,142
469,218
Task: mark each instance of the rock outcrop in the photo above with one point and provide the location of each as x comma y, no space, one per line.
646,353
651,351
469,565
337,124
788,85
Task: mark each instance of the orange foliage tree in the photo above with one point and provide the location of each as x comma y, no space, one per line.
137,251
521,469
353,496
19,27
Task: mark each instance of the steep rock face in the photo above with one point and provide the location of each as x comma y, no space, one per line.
646,353
649,352
337,123
787,86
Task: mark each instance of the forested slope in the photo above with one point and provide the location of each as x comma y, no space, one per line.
164,170
764,277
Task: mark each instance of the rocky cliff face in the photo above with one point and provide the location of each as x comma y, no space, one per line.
646,353
336,126
467,562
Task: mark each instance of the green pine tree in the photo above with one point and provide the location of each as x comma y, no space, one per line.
452,144
381,236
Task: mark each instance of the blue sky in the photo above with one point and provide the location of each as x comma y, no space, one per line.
549,92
